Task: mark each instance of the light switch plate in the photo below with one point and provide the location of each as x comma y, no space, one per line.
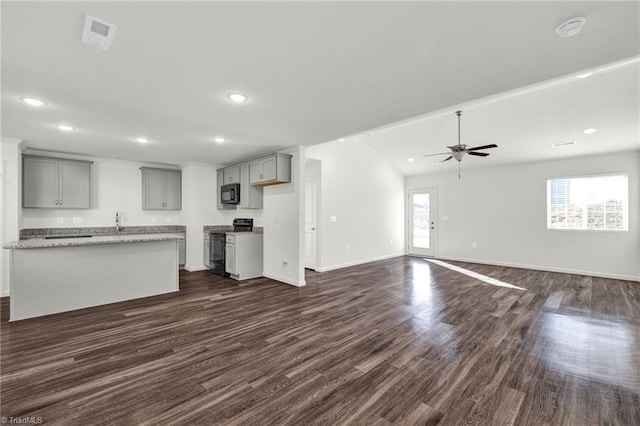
77,220
333,218
61,220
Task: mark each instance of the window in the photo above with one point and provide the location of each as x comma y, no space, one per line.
588,203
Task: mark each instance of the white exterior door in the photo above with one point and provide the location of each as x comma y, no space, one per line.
421,206
311,223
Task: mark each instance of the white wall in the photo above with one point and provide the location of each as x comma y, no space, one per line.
366,195
10,203
503,209
283,216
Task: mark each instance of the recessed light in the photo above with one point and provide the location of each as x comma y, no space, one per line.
563,144
341,140
219,139
590,131
585,75
410,160
33,101
65,127
141,139
237,97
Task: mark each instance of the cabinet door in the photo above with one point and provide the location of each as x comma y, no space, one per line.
40,182
256,172
219,183
205,254
74,188
182,252
245,185
230,258
232,175
173,191
269,169
152,189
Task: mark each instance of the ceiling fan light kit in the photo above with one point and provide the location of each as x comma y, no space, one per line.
460,150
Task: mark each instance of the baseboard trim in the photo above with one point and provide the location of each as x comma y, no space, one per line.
286,280
196,268
543,268
358,262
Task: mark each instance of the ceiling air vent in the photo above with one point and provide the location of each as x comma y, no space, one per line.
562,144
98,33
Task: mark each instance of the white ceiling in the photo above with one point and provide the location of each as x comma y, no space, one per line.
314,71
524,123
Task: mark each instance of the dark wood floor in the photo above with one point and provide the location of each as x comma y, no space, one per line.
400,341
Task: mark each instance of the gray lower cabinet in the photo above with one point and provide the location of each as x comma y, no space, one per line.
161,189
206,252
243,255
182,250
49,182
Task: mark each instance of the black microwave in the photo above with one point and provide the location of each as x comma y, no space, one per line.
230,193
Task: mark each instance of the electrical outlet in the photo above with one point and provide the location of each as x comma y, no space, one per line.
154,219
167,219
333,219
348,247
61,220
474,245
77,220
390,242
284,264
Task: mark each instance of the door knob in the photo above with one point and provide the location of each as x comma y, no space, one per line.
313,229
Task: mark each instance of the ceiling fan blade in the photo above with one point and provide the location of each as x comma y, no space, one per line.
475,148
441,153
479,154
446,159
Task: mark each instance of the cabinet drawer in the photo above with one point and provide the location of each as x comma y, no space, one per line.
230,239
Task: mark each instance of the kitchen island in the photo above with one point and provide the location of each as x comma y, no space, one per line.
57,275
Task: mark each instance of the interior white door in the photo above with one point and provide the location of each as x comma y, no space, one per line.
311,223
422,220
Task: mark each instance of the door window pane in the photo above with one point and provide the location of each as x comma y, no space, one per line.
420,208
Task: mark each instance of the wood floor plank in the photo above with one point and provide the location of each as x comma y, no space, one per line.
399,341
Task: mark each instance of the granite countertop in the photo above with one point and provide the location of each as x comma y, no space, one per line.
99,231
85,241
228,229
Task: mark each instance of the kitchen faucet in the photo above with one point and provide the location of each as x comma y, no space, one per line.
118,223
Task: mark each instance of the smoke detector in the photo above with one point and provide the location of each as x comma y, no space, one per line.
571,27
98,33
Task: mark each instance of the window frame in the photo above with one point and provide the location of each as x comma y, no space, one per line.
625,206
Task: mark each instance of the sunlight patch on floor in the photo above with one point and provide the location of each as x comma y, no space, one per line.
475,275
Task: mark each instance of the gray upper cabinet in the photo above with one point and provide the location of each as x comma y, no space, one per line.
161,189
271,170
220,182
232,175
252,176
250,196
49,182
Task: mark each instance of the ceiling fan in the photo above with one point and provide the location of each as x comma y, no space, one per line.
460,151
